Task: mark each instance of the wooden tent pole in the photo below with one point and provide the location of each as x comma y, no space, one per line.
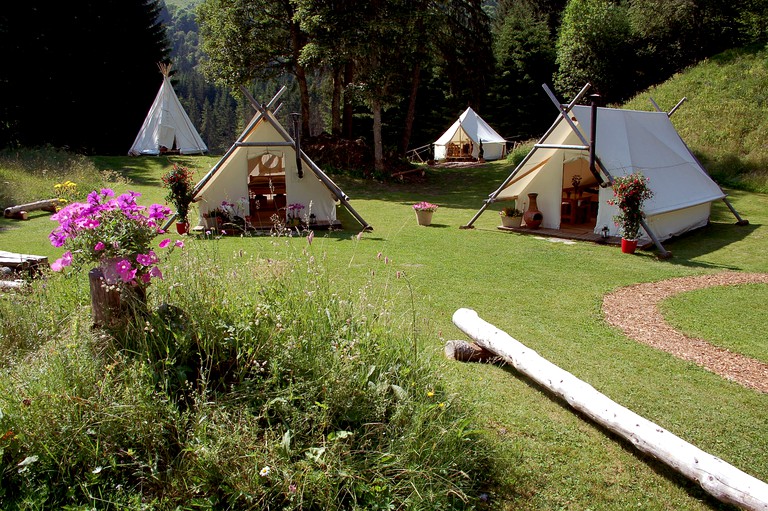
492,197
739,220
718,478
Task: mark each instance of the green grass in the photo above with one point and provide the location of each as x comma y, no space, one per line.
548,296
719,316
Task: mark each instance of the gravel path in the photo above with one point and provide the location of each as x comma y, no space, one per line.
635,311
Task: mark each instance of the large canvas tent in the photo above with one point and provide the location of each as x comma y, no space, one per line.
167,127
261,175
463,139
625,141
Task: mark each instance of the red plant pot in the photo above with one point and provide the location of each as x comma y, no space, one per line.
628,246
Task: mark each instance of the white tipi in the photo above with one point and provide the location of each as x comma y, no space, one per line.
167,128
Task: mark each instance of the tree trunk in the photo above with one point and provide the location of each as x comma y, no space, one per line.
378,144
336,103
721,480
411,114
349,74
298,41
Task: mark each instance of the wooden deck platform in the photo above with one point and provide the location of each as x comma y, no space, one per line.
583,232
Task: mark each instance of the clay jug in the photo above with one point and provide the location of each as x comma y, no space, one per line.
533,216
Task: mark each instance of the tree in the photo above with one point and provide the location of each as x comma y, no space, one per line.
81,74
525,59
253,39
594,46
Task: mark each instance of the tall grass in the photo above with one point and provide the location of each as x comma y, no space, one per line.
29,175
256,387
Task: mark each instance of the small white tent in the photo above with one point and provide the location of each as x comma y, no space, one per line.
261,175
463,139
626,141
167,127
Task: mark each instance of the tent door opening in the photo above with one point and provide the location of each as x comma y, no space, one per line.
579,195
266,189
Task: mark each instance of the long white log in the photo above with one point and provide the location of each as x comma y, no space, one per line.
718,478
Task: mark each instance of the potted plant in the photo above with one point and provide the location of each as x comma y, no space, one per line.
424,211
179,183
116,234
293,214
511,216
629,194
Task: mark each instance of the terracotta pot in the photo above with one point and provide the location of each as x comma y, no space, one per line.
511,221
424,217
533,217
628,246
182,227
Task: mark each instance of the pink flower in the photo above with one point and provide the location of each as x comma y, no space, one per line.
165,243
128,275
179,244
56,265
66,258
144,259
155,272
123,266
99,246
145,278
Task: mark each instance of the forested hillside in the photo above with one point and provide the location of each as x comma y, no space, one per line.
431,59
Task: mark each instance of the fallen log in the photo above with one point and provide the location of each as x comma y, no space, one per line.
20,211
718,478
464,351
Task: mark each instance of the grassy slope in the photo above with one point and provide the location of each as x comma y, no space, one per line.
725,118
547,295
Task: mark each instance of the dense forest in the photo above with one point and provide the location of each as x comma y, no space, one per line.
86,84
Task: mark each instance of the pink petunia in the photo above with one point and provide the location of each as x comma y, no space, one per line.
56,265
155,272
123,266
145,259
129,275
66,258
99,246
146,277
179,244
165,243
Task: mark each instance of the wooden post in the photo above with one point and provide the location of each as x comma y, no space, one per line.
721,480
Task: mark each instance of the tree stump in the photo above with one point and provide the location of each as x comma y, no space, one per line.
114,306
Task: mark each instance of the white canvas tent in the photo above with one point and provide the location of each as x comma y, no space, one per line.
463,139
167,127
261,175
625,141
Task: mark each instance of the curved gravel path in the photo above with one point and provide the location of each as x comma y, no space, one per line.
634,310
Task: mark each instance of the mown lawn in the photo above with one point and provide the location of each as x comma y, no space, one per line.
548,296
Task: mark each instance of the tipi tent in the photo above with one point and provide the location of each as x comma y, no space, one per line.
625,141
463,139
262,177
167,127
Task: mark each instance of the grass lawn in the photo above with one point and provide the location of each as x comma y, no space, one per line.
548,296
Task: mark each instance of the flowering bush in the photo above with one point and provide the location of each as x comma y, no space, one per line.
113,231
180,185
425,206
629,194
